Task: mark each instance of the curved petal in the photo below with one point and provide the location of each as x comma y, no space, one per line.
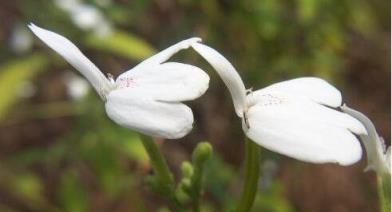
165,54
313,88
166,82
377,154
154,118
75,57
303,129
227,72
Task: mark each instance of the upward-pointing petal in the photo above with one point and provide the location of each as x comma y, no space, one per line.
314,88
169,82
227,72
167,53
75,57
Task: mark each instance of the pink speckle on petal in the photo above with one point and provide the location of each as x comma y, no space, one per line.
126,82
270,100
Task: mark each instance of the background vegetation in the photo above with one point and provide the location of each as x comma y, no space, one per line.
59,151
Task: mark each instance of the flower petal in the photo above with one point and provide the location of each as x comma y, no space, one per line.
75,57
166,82
227,72
313,88
377,154
158,119
303,129
303,108
165,54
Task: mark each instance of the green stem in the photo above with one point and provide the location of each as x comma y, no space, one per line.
158,162
200,156
384,192
161,170
252,170
196,188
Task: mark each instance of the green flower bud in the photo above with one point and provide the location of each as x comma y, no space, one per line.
187,169
202,152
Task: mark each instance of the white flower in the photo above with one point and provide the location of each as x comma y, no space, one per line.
378,156
294,117
146,98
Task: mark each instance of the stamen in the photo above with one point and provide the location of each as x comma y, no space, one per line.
110,77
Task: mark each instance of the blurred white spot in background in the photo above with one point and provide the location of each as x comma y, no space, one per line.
86,17
67,4
76,86
26,89
20,40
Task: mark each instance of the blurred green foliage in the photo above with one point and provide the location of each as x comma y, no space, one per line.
14,73
93,160
121,43
72,194
272,199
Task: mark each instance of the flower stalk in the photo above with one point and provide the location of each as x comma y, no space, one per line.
163,177
252,171
384,192
200,156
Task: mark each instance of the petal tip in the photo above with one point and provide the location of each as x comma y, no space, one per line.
353,157
33,27
196,39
